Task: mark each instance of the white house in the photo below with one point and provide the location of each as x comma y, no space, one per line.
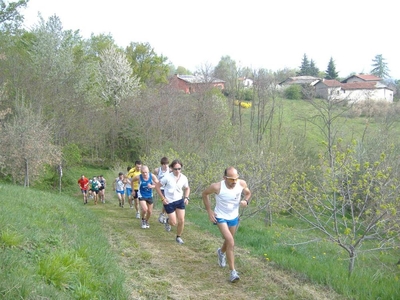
353,89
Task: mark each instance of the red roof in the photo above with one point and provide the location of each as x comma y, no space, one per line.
368,85
368,77
331,82
364,77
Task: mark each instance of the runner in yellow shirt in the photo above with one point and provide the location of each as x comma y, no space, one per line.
135,186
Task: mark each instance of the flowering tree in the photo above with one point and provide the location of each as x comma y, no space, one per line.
117,82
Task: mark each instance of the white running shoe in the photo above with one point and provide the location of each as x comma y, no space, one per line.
147,224
138,215
161,218
143,224
179,240
166,225
221,258
234,276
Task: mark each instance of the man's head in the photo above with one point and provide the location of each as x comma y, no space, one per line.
145,171
231,176
164,161
138,165
176,166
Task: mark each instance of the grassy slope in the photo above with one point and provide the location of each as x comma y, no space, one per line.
155,266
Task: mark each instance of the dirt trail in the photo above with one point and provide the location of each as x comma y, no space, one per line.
158,268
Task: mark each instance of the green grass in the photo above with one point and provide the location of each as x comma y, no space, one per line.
53,249
376,275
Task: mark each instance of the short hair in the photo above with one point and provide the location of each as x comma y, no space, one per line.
120,173
175,162
128,168
164,161
138,162
227,169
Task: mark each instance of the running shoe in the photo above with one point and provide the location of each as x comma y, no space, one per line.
147,224
179,240
161,218
143,224
221,258
138,215
234,276
167,226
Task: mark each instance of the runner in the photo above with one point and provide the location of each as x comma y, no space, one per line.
102,189
132,173
147,182
128,187
83,183
228,196
119,187
160,172
95,189
177,190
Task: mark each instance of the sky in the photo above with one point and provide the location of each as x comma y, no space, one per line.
257,34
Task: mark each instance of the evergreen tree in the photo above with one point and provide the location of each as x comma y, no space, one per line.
305,67
313,70
380,67
330,72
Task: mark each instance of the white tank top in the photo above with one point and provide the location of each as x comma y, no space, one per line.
228,201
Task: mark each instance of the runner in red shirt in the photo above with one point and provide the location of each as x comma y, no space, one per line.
84,184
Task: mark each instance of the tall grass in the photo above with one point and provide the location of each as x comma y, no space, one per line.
52,248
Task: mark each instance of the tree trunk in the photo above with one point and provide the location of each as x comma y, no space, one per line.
26,182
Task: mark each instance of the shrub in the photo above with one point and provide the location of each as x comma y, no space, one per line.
293,92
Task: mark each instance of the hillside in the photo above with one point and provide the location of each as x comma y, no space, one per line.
158,268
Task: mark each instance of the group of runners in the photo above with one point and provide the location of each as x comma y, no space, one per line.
93,188
173,189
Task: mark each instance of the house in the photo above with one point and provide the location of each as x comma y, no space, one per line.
195,83
245,82
362,78
353,89
327,89
309,80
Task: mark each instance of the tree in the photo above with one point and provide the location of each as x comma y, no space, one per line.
305,66
117,84
227,71
26,147
352,201
330,72
313,70
147,66
380,67
10,18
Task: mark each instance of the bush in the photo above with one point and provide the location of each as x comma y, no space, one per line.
293,92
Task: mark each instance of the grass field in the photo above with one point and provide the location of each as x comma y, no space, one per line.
53,247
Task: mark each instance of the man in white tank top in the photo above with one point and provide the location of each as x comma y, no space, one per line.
228,196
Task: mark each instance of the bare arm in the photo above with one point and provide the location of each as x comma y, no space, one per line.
246,194
155,181
212,189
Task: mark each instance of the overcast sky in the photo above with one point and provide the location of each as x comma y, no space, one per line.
270,34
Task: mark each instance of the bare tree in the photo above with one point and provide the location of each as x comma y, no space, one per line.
26,147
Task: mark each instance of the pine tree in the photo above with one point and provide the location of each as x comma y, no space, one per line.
381,68
313,70
330,72
305,67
